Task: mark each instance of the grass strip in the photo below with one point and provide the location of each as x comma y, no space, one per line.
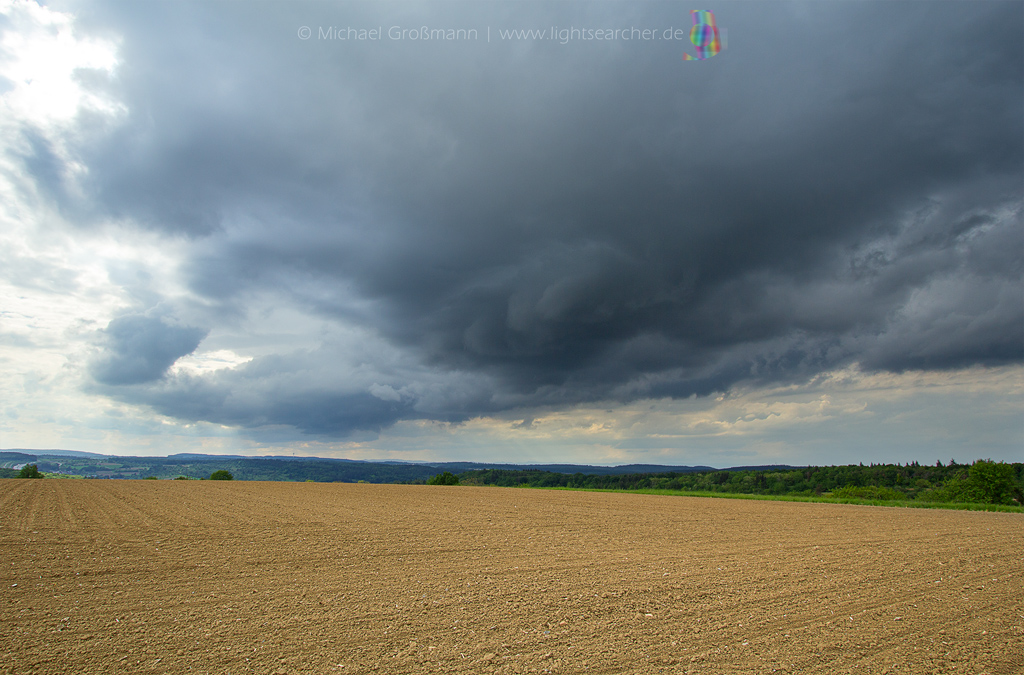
906,503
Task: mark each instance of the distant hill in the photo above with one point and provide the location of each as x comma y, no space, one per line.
459,467
15,457
297,468
289,458
55,453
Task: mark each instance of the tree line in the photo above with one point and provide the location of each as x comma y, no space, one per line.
984,481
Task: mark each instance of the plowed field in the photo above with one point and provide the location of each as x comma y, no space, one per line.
231,577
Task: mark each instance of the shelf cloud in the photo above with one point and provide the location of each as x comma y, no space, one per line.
438,230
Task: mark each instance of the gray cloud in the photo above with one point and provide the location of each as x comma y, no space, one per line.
536,224
140,349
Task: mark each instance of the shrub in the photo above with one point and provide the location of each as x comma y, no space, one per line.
869,492
182,478
986,482
446,478
150,478
30,471
221,474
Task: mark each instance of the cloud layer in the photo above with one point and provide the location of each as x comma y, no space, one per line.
140,349
470,228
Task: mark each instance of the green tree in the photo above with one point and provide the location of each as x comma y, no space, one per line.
221,475
30,471
991,483
446,478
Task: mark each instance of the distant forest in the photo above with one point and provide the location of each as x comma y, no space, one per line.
981,482
200,467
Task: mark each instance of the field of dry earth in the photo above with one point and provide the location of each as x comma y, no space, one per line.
233,577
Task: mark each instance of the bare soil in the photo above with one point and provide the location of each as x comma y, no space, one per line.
233,577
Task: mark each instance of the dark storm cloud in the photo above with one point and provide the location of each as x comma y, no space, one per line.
571,223
319,412
140,349
315,391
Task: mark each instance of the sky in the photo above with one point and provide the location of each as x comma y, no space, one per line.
416,231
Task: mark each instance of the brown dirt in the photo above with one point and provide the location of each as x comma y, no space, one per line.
222,577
